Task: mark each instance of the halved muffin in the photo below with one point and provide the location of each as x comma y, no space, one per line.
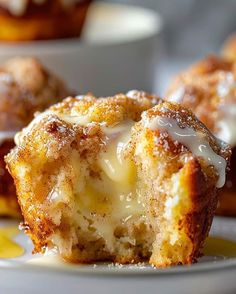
25,87
25,20
208,88
117,179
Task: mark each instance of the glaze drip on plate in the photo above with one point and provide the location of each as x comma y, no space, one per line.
8,247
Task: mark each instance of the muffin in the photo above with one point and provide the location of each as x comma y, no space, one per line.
208,89
229,48
25,20
119,179
25,88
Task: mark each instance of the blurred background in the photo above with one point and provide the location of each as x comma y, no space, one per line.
124,47
192,27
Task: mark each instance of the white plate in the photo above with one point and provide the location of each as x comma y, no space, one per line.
28,274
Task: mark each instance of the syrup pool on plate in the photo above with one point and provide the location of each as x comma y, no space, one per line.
8,247
217,246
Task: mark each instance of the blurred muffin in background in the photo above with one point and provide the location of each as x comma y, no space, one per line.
25,87
208,88
25,20
229,48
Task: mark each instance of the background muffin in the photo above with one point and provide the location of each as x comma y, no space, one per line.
25,87
25,20
229,48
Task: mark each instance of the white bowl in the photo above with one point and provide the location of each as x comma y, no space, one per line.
117,51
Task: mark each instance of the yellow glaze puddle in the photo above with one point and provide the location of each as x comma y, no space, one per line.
216,246
8,247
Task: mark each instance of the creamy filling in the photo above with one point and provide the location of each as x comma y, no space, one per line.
113,198
195,141
112,161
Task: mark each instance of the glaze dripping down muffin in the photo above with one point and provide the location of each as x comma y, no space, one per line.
208,88
127,179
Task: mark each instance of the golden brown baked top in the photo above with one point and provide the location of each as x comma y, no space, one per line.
76,115
110,110
80,116
26,87
208,89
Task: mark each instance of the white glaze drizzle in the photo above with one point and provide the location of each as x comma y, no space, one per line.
195,141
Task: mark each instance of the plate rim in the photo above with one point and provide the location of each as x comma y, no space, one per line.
116,270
